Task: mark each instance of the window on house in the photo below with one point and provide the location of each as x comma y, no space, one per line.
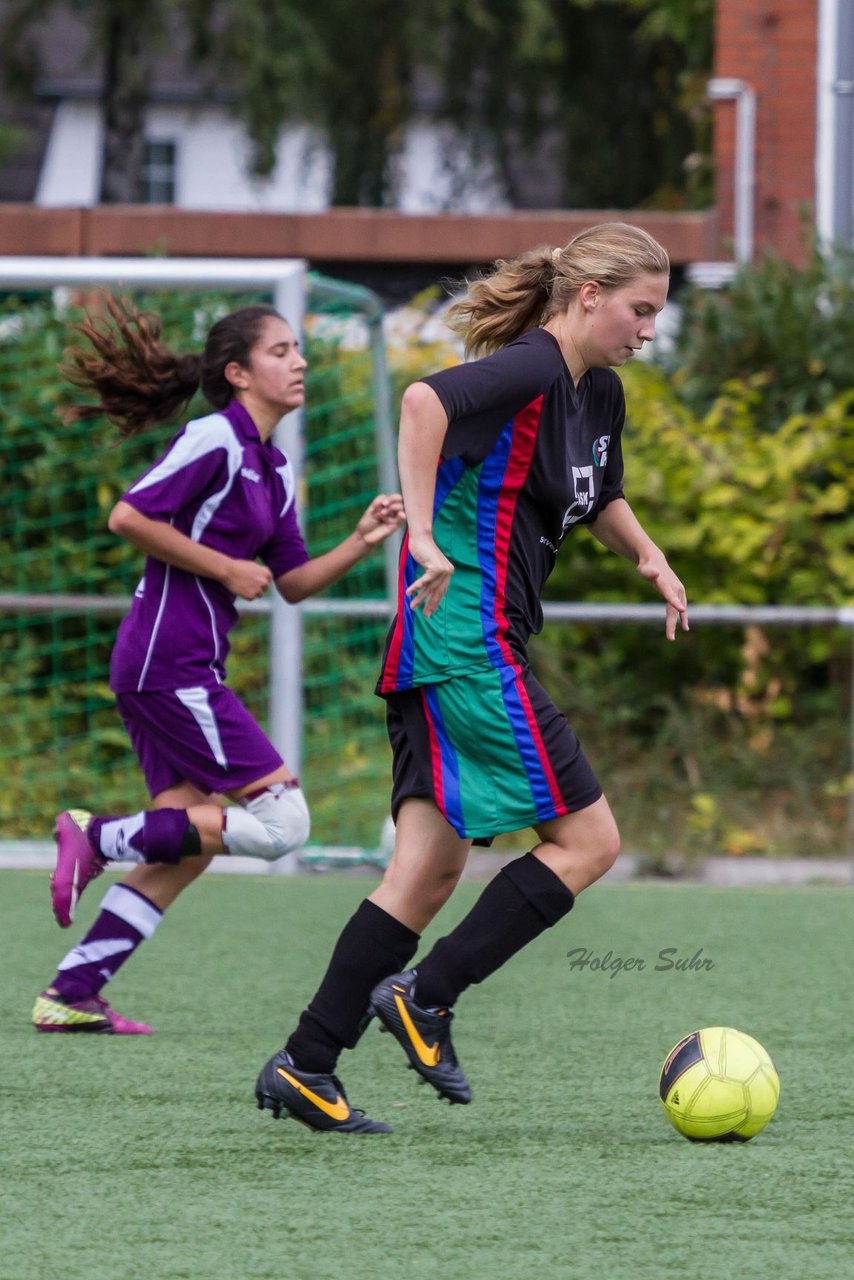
158,172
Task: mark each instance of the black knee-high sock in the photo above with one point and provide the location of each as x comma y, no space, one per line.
371,945
525,898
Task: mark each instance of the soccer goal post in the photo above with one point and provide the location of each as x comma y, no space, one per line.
319,659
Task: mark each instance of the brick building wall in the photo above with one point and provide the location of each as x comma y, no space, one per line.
772,45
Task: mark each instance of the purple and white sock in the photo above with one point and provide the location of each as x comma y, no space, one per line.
153,835
126,918
119,839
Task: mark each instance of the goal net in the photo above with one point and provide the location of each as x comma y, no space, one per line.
65,580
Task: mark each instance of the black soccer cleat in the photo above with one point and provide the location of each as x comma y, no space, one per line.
424,1034
316,1100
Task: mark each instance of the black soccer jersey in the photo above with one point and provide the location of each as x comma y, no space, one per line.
526,456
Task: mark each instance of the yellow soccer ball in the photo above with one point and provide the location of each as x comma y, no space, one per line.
719,1085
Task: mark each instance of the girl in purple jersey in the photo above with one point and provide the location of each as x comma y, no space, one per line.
499,459
220,500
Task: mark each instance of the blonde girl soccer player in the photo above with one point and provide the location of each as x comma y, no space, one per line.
219,500
500,459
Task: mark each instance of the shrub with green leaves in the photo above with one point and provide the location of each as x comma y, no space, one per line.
787,329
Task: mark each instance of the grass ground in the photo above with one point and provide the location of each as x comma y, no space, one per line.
124,1159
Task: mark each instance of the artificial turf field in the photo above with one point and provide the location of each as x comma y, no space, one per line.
125,1158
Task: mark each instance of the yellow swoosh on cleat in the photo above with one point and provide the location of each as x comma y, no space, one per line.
338,1110
428,1053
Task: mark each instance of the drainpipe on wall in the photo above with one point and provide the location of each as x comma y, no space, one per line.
745,152
834,160
714,274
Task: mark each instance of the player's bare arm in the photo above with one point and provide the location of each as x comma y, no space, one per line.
619,529
245,578
383,516
423,424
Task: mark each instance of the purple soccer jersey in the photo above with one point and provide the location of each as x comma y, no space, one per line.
219,484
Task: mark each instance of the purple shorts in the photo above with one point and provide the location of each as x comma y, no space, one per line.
200,735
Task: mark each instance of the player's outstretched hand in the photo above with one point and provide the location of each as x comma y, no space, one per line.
429,589
657,571
247,579
383,516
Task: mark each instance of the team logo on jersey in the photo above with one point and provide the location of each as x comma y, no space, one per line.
600,450
249,474
585,496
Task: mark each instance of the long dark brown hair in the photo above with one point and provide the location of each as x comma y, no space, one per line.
138,380
523,292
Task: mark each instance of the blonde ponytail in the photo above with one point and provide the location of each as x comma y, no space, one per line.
504,304
520,293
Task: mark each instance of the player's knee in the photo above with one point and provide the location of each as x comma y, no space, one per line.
596,855
269,825
444,884
606,850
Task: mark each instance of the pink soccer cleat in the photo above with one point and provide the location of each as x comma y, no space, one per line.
76,864
52,1013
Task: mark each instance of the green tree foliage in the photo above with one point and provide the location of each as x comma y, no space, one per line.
10,140
262,58
747,517
788,329
361,97
578,74
618,84
125,34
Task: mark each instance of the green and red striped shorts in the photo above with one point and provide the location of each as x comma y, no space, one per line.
491,749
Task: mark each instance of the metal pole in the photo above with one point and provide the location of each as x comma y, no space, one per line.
286,621
827,115
745,159
384,437
843,135
851,798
